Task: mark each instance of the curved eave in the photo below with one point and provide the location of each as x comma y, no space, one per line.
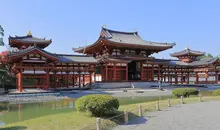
187,54
16,43
15,56
123,45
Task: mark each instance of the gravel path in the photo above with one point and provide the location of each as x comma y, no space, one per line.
199,116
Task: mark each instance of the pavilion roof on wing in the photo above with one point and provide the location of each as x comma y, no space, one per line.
124,40
187,52
28,40
65,58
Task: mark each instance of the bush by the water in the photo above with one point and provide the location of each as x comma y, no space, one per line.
185,92
98,104
216,92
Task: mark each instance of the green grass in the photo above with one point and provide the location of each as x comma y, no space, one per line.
75,120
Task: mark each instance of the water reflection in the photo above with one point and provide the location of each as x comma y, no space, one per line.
10,113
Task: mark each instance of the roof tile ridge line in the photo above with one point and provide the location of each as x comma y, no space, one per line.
109,34
120,31
72,55
164,43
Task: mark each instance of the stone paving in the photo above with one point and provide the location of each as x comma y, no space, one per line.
198,116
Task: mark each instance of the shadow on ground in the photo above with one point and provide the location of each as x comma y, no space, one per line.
14,128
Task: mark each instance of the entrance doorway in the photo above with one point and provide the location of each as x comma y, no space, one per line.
134,70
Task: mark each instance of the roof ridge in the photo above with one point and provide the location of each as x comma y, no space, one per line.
134,32
72,55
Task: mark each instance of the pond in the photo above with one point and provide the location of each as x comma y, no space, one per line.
10,113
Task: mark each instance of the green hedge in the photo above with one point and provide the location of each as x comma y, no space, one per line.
216,92
185,92
98,104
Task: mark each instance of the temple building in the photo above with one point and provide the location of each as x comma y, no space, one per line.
123,55
117,56
30,61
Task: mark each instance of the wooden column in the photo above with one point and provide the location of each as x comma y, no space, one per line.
73,80
188,77
142,71
181,75
158,73
127,72
20,84
114,69
55,81
47,79
176,76
168,74
90,79
79,74
106,72
206,77
84,79
152,73
94,77
197,78
216,77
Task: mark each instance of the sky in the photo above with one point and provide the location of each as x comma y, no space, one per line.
74,23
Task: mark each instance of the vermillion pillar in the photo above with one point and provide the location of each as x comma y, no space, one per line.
79,79
84,79
188,78
168,74
106,72
55,80
159,74
206,77
47,80
142,71
127,72
114,72
197,78
73,79
90,79
20,84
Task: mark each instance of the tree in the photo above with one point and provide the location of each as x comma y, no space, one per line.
1,36
206,56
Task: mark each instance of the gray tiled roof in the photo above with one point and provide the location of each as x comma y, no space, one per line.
30,39
187,52
29,49
201,62
131,38
76,59
128,38
206,61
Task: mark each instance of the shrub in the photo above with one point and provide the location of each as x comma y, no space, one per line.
185,92
97,104
216,92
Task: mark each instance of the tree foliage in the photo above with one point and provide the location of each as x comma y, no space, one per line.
1,36
208,55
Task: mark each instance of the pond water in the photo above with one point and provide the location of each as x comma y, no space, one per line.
10,113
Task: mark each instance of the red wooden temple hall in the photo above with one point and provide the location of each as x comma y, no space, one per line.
125,56
29,60
116,55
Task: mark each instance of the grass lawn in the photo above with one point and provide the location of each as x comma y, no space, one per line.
75,120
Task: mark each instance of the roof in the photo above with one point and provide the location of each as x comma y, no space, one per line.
206,61
30,49
29,40
187,52
127,39
171,62
75,58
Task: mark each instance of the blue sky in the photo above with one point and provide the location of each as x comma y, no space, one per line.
71,23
